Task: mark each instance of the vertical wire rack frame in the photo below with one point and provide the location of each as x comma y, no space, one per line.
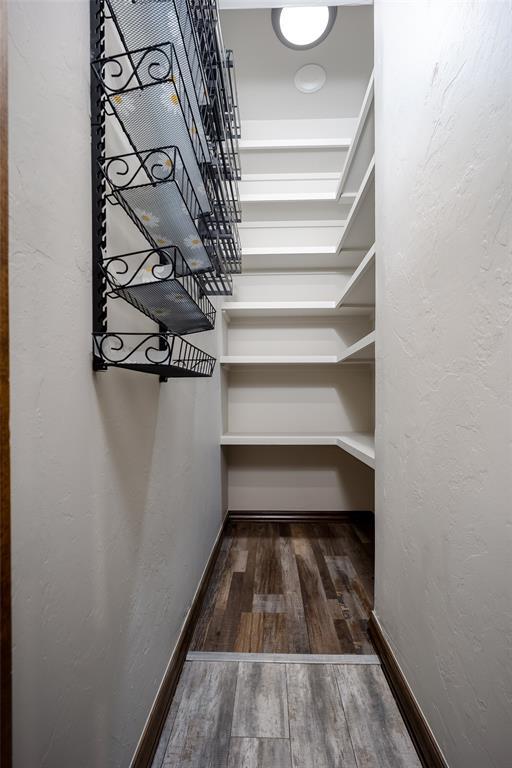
159,95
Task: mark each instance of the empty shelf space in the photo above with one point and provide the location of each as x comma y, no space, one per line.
362,147
278,134
292,259
296,213
358,298
269,144
289,187
288,250
279,359
280,308
360,289
290,160
295,308
291,399
293,235
362,351
359,231
361,445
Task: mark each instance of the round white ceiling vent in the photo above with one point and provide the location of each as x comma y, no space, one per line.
310,78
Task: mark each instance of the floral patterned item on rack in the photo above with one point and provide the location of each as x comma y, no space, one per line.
123,103
169,99
197,263
193,241
147,218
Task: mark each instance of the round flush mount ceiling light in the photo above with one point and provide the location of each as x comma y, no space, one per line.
310,78
303,27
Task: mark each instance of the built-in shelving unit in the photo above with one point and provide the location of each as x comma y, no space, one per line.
298,336
165,130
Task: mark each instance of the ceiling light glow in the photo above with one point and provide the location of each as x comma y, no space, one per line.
303,27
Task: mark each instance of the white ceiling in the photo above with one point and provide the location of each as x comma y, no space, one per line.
266,68
246,4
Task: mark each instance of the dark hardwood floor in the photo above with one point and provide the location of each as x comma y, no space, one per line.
290,588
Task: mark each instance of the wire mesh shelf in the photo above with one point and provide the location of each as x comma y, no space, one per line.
155,190
147,280
163,354
145,90
148,22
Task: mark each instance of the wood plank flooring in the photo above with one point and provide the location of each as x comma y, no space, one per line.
229,714
290,588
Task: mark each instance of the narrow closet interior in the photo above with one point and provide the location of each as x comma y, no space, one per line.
298,333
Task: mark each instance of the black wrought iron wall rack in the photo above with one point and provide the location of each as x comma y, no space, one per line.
161,76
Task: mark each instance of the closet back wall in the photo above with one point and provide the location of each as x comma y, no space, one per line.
116,478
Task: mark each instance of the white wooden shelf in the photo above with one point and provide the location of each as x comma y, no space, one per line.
314,259
294,224
291,309
348,252
275,144
289,250
361,143
361,445
360,289
359,228
362,351
279,359
283,187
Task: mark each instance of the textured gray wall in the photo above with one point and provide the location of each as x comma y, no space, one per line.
444,369
116,478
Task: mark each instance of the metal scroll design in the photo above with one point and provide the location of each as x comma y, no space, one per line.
157,164
121,273
136,69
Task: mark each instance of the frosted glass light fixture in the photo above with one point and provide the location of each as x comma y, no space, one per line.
302,27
